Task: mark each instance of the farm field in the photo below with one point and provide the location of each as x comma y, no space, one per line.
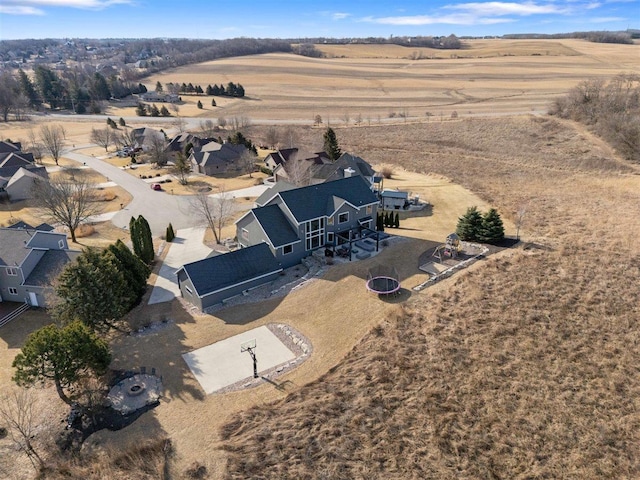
364,82
522,366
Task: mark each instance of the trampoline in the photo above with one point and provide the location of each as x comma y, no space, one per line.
383,280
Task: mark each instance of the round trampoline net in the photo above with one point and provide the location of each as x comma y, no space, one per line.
383,280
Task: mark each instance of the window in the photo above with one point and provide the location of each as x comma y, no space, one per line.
12,271
287,249
245,234
369,209
314,233
61,244
343,217
330,238
13,291
188,290
330,221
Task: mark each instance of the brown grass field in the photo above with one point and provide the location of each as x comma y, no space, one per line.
522,366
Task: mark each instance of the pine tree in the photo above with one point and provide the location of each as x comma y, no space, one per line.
170,233
492,230
155,112
141,110
199,104
470,225
213,102
121,122
164,111
135,271
28,89
159,88
148,253
136,239
380,222
331,144
396,222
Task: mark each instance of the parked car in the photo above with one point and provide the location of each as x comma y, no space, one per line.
156,186
122,153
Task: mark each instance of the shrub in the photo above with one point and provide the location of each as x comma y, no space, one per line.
266,170
85,230
387,172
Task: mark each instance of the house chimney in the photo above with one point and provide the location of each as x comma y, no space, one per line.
348,172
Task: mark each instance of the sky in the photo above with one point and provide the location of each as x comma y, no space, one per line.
302,18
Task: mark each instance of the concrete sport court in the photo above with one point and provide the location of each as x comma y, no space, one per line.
221,364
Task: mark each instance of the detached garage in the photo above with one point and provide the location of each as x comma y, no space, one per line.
212,280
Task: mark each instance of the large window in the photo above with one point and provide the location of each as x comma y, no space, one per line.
314,233
13,291
287,249
12,271
343,217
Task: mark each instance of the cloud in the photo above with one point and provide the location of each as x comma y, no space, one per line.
340,16
35,7
482,13
20,10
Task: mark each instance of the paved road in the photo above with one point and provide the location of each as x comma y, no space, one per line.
158,207
187,247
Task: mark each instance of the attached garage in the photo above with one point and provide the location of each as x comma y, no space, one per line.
210,281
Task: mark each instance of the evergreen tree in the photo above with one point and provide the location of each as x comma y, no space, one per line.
239,91
396,221
492,230
213,102
164,111
199,90
199,104
146,240
141,110
135,271
155,112
50,86
170,233
62,356
92,290
331,144
136,238
159,88
183,88
28,89
380,222
121,122
470,225
100,89
209,90
215,90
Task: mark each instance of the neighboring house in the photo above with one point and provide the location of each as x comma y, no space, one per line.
279,157
29,261
296,166
160,97
145,137
345,166
210,281
217,159
18,171
394,199
180,142
295,222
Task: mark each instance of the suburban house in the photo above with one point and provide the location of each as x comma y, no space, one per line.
18,172
210,281
180,142
216,158
30,258
294,165
288,224
145,137
345,166
295,222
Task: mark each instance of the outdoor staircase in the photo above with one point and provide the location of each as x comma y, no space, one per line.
15,314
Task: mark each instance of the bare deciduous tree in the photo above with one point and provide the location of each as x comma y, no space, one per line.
520,214
17,410
180,123
217,210
103,137
53,140
208,128
298,171
247,162
35,147
222,122
182,168
157,150
69,201
272,137
290,136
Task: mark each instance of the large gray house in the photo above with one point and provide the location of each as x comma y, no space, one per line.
295,222
288,225
30,259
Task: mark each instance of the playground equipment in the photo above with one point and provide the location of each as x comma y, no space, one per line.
450,249
383,280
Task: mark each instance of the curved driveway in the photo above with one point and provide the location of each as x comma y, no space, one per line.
158,207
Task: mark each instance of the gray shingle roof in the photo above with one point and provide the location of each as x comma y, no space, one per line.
314,201
275,225
229,269
335,171
50,265
13,248
271,192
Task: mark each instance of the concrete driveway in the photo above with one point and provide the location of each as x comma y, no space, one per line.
187,247
158,207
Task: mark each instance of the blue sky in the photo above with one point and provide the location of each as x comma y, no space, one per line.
302,18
